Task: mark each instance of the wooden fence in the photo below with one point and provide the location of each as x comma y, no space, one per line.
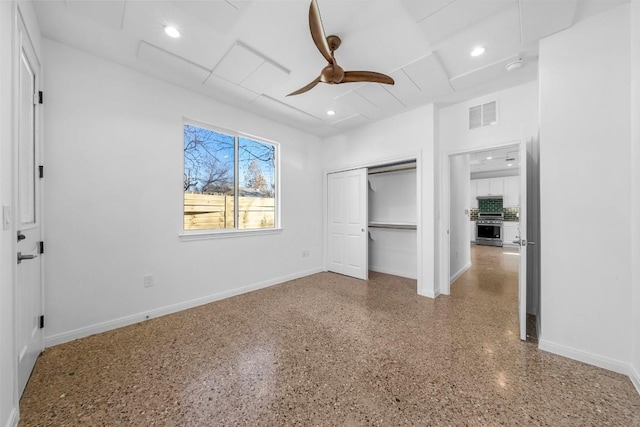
205,212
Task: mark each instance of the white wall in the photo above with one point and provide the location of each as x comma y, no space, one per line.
392,199
402,136
459,248
517,117
585,115
635,170
114,200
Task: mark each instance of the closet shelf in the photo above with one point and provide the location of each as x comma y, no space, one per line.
393,225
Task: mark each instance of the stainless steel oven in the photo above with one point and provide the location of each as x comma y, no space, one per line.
489,229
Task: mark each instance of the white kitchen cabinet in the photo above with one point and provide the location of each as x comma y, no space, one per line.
496,186
510,232
472,230
482,187
511,192
473,194
489,187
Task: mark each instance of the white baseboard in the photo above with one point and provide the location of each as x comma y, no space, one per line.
429,293
583,356
13,418
634,375
174,308
392,272
460,272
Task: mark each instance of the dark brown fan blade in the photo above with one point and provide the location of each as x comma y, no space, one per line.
366,76
306,88
317,32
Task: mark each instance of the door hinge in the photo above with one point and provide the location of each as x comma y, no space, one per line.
40,98
41,171
42,322
41,247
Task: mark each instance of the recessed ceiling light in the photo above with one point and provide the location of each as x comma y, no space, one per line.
477,51
509,165
331,113
172,31
489,158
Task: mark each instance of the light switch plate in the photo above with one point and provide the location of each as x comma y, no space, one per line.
6,217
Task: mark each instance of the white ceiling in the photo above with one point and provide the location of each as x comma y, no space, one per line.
505,159
250,54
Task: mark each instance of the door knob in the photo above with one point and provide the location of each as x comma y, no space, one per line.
21,257
21,236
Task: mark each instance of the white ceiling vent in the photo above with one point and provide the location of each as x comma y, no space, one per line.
483,115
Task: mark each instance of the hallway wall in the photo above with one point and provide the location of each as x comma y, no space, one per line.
460,246
586,278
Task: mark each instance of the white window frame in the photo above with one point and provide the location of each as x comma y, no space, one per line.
194,235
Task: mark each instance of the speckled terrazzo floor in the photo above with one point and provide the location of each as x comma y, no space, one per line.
330,350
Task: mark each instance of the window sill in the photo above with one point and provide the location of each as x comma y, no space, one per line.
208,235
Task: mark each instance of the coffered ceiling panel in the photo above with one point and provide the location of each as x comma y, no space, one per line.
351,122
109,12
540,20
279,107
357,102
405,89
428,74
482,75
238,64
176,68
238,4
378,95
265,77
421,9
264,47
228,92
458,16
221,16
498,34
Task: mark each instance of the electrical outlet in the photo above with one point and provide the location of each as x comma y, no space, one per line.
148,281
305,253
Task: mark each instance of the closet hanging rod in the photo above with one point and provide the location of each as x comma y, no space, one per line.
393,170
395,226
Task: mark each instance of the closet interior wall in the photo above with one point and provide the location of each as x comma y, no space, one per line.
392,220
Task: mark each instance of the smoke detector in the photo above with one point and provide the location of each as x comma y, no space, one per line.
515,65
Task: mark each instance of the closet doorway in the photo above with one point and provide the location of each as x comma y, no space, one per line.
372,220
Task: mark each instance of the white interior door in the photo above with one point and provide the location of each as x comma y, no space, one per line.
522,276
347,245
28,222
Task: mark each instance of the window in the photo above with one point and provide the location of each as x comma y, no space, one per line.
229,180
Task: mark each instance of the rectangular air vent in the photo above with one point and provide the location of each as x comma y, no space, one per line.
483,115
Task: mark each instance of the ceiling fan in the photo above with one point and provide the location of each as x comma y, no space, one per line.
333,73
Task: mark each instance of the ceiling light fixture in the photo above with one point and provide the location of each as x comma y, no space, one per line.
172,31
477,51
331,113
509,165
489,158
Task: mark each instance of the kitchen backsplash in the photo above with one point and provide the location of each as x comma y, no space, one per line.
490,205
510,214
